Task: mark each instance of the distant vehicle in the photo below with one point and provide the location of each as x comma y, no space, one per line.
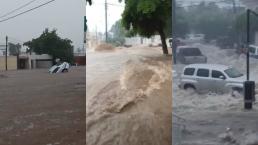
253,51
60,68
190,55
212,78
196,37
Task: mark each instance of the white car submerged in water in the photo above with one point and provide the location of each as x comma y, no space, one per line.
212,78
59,68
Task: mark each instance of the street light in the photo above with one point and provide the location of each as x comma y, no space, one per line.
249,86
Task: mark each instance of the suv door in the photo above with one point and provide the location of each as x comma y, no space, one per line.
203,79
218,84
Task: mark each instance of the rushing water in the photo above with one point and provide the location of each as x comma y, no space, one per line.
128,97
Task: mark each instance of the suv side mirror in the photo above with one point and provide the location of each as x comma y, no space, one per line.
222,77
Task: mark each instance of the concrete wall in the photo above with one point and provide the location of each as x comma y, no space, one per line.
140,40
38,61
43,64
11,63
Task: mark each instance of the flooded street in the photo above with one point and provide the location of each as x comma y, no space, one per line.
38,108
128,97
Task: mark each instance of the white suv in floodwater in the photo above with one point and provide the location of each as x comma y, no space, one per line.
216,78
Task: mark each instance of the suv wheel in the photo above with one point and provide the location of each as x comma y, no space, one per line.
189,88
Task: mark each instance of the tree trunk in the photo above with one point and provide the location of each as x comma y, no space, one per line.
163,41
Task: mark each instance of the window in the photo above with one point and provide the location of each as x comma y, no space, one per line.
190,52
252,50
233,73
216,74
189,71
203,73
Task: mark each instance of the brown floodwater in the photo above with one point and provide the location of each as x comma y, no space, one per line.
128,97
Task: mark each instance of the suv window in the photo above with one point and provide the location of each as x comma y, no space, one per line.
189,71
216,74
203,73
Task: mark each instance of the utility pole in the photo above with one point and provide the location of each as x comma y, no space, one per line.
174,45
234,6
249,86
106,20
247,43
6,52
96,29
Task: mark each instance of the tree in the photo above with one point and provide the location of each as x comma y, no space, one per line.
14,49
118,33
147,18
89,1
50,43
213,21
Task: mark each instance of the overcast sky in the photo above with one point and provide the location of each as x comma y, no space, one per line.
96,14
64,15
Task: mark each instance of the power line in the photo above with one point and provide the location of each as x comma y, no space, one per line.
8,13
26,11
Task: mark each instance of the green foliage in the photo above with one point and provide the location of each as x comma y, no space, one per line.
89,1
147,18
50,43
14,49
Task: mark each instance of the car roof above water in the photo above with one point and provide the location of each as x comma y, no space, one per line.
208,66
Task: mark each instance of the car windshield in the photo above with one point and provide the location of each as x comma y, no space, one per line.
191,52
233,73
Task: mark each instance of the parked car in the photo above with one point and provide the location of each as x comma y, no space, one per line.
190,55
59,68
217,78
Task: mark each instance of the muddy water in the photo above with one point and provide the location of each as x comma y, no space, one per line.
128,97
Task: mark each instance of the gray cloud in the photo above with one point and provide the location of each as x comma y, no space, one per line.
64,15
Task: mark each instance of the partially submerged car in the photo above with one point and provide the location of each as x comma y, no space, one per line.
190,55
59,68
217,78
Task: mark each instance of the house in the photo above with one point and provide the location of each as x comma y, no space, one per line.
32,61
